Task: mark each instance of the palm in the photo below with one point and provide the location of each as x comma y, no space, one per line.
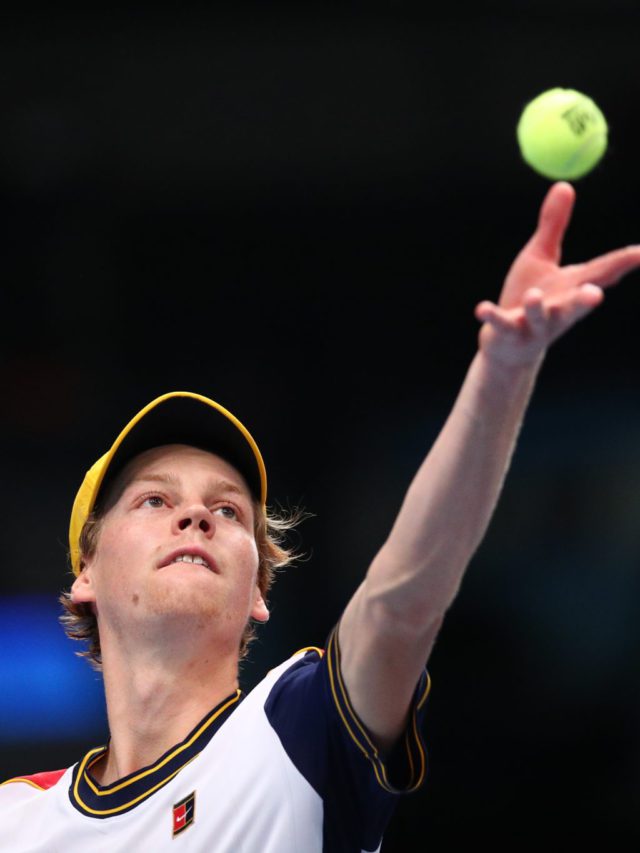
541,300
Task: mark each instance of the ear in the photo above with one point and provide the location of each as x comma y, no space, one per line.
82,591
259,611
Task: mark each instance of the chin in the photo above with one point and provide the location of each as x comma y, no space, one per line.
184,599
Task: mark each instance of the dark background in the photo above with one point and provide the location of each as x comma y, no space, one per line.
293,209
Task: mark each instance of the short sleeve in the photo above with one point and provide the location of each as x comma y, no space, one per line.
310,710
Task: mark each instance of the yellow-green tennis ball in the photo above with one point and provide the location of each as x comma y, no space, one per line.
562,134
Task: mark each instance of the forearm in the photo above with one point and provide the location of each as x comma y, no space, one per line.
389,626
447,508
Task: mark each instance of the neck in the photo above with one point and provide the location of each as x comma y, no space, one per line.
155,700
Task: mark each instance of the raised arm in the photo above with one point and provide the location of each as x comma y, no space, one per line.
389,626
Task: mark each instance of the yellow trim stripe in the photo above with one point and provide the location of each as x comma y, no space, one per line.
417,742
337,704
168,758
407,744
303,650
423,763
427,690
369,749
133,802
306,649
118,787
23,779
371,753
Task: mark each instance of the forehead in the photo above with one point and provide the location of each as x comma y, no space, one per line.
177,463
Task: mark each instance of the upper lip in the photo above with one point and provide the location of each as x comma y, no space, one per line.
194,552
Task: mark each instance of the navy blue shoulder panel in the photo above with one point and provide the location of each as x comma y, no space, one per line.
309,709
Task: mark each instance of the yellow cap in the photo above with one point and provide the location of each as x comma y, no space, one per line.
180,417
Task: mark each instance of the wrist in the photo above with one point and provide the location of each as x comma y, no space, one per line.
504,377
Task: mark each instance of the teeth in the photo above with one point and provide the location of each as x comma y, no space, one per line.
189,558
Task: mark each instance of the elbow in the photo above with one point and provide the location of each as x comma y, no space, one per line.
403,617
411,595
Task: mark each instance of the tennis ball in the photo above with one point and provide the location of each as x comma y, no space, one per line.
562,134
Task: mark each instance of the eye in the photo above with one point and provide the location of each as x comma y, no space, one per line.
227,511
154,501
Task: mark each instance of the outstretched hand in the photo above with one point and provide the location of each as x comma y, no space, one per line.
541,300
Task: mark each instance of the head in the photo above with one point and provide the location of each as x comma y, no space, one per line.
166,501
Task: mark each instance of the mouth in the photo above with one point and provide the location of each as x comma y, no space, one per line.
194,556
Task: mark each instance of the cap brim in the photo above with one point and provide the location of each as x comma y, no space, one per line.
191,420
180,417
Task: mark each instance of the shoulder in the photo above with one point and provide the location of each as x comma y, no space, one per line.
36,781
290,694
296,681
40,781
302,663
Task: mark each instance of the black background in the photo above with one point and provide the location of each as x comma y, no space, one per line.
293,208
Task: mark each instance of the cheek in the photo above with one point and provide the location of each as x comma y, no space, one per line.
248,559
253,556
249,562
115,557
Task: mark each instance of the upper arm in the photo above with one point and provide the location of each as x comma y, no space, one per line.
383,656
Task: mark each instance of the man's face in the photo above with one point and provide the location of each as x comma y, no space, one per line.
176,549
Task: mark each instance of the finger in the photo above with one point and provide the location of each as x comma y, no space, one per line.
590,295
564,314
587,295
610,268
577,311
553,220
535,311
483,310
487,312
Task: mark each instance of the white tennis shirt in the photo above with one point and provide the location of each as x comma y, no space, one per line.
287,769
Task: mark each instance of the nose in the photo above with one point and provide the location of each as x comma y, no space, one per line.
197,517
